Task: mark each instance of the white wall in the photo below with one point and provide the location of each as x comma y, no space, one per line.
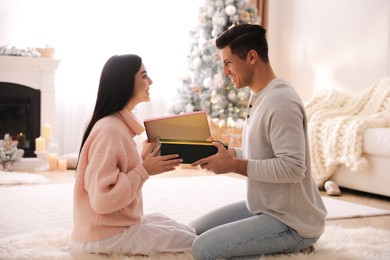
329,43
313,43
85,33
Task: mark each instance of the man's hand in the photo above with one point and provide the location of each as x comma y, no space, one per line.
221,162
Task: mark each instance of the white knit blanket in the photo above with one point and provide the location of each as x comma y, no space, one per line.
336,124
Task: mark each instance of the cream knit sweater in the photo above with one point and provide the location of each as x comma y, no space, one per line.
337,122
275,143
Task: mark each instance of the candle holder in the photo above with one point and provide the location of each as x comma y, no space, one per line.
52,146
43,161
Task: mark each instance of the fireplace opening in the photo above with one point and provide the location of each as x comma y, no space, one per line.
20,115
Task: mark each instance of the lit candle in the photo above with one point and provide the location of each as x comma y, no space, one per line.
62,164
40,144
46,131
21,140
52,162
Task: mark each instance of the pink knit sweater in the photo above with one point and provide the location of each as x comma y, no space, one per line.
107,195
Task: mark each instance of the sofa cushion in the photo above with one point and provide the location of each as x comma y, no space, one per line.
376,141
72,159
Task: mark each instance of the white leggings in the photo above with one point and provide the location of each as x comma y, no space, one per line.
157,233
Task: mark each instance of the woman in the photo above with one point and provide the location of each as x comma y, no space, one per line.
108,209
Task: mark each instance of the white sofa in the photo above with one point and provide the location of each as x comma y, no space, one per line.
376,180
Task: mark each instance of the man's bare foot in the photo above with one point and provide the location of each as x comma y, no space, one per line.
332,189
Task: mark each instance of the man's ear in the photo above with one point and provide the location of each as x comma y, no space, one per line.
252,56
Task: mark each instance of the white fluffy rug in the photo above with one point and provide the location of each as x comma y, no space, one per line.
21,178
336,243
35,220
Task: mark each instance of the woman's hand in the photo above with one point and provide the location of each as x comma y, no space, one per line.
155,164
147,148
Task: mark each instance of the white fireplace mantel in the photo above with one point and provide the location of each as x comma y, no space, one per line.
36,73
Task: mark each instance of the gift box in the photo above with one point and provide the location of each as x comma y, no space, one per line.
186,134
232,136
188,151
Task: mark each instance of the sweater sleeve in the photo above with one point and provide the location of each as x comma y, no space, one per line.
114,175
238,153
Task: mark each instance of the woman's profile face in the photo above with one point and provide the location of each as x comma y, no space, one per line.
141,86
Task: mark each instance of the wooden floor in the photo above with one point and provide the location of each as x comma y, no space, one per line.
382,222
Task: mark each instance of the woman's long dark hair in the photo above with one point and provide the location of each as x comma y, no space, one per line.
116,87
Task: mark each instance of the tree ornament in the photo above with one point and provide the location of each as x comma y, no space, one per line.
232,96
214,98
189,108
208,82
230,10
197,62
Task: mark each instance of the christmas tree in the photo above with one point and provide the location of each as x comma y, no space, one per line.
205,88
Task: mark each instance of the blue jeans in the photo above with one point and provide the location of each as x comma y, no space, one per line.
233,232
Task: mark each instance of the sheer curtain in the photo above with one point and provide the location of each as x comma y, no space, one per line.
262,6
86,33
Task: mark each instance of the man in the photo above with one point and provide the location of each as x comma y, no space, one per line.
283,212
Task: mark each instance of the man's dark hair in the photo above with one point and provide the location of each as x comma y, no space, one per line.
245,37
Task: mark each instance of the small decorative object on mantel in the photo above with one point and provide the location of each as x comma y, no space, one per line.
9,153
47,52
13,51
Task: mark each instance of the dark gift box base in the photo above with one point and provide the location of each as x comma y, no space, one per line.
189,152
